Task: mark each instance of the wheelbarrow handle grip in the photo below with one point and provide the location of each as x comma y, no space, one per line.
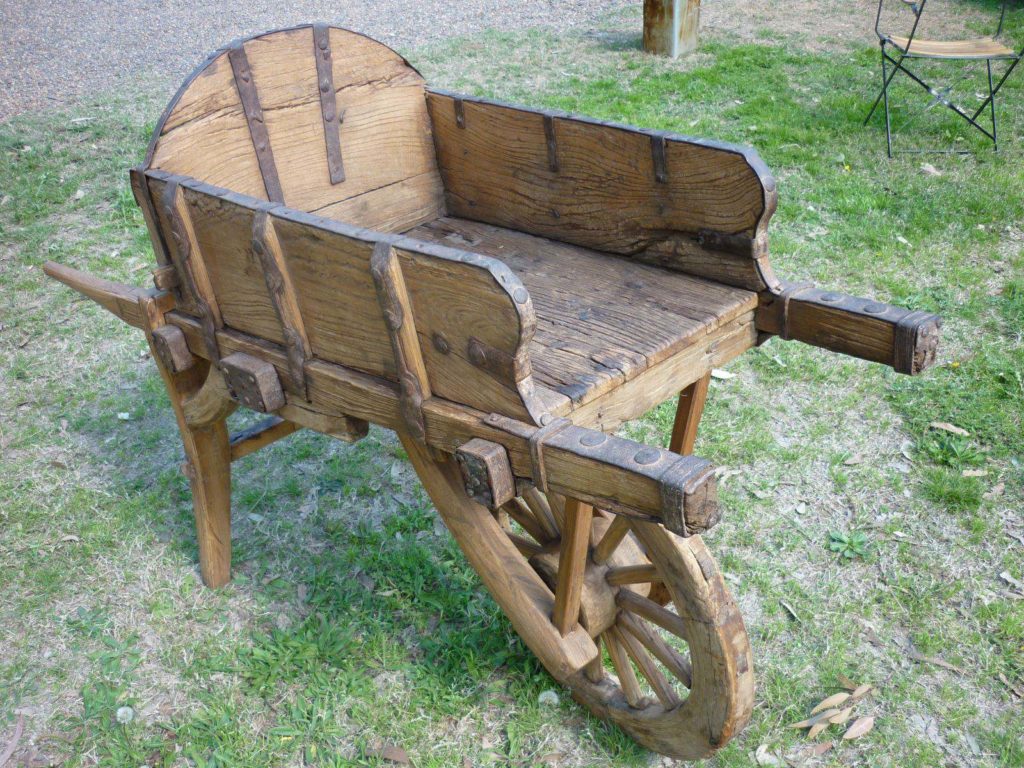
871,330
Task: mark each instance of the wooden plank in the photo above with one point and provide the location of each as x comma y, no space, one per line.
571,565
601,320
391,178
660,382
460,301
496,169
863,328
260,435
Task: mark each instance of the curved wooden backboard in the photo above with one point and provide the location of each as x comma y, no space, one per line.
321,119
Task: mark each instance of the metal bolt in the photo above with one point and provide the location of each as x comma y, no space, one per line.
647,455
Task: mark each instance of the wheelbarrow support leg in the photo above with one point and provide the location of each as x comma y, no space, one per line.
202,421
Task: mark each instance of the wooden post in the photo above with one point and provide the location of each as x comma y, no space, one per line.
207,454
670,26
688,413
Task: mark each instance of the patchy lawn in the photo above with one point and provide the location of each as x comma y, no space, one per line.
354,623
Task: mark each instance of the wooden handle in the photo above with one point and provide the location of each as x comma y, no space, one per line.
871,330
122,300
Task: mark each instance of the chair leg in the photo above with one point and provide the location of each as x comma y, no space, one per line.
209,471
688,413
888,119
207,454
992,106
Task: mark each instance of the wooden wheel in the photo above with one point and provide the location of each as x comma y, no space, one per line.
578,585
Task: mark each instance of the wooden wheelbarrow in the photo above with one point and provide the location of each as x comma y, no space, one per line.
503,287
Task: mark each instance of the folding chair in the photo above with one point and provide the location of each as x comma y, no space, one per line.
896,51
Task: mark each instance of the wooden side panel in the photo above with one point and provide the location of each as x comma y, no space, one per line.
336,295
386,145
206,136
473,327
602,186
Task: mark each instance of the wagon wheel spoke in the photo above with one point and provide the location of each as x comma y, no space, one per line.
538,505
612,538
521,513
644,573
623,668
659,683
678,665
656,614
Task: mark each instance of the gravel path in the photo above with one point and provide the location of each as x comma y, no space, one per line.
54,53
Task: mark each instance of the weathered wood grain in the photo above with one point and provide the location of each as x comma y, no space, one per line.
389,163
605,193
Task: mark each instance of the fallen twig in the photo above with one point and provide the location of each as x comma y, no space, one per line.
18,730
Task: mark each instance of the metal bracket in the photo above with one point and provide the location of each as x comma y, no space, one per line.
549,430
549,136
660,158
332,117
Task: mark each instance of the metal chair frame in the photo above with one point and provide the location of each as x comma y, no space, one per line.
894,56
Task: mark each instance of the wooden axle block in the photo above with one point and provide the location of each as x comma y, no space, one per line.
487,472
171,347
252,382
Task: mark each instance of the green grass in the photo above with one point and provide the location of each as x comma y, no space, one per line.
354,622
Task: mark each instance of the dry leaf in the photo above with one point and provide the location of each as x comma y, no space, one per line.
847,683
918,656
930,169
1016,688
718,373
862,690
467,763
832,701
860,726
857,458
393,754
996,491
766,758
1005,576
69,539
945,426
975,473
817,728
813,721
820,749
842,717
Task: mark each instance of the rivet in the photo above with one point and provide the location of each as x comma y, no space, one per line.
647,455
830,297
546,419
520,295
441,344
874,308
590,439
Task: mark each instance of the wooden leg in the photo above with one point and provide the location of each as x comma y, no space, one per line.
688,413
207,453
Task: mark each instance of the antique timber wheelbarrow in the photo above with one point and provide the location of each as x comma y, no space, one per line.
503,287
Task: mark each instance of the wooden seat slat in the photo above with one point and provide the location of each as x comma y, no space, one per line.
980,48
601,320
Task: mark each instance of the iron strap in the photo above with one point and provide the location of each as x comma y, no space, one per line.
331,116
254,117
